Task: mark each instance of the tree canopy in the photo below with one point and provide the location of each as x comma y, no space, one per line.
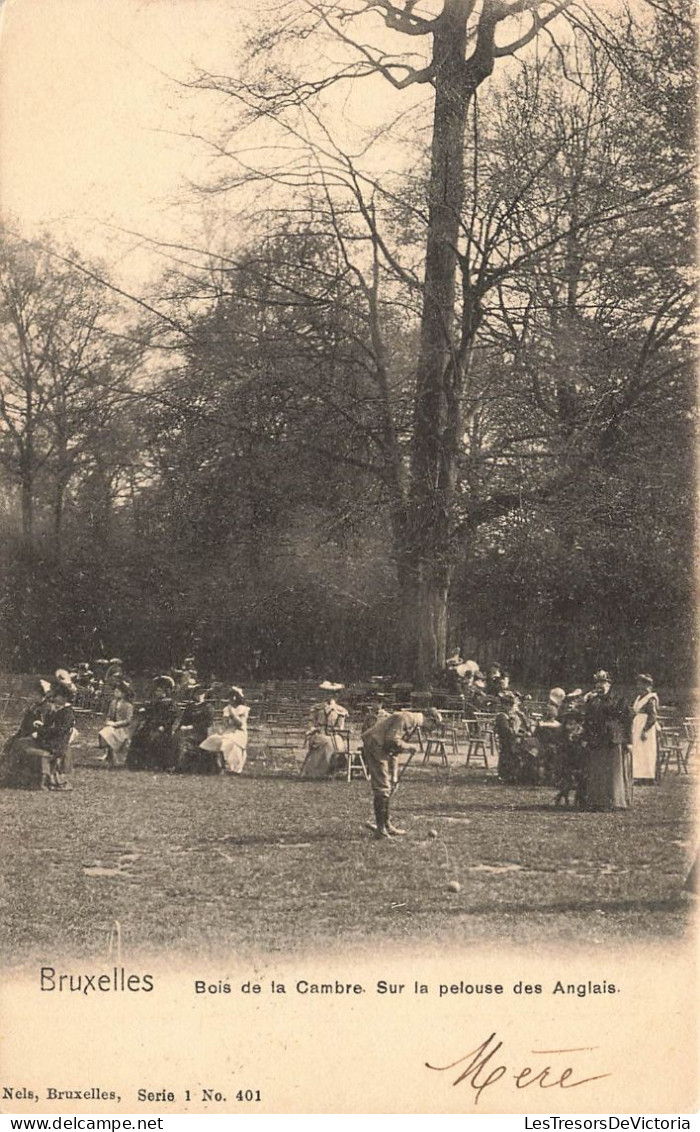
435,391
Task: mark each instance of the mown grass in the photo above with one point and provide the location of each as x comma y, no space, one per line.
197,866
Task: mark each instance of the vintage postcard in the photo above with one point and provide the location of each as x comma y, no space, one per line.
347,463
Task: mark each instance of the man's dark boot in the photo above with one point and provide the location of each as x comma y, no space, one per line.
392,830
380,814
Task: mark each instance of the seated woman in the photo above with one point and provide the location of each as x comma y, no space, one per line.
153,744
324,753
195,725
231,745
475,698
115,736
26,765
517,761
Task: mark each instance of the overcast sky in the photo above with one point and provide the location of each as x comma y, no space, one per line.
94,125
89,112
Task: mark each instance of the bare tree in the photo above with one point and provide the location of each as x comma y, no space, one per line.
472,248
66,360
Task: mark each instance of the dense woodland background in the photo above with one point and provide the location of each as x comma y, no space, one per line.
216,466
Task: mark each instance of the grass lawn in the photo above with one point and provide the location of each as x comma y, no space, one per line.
267,862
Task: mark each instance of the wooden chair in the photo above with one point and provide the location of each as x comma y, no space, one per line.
477,742
485,720
357,767
436,746
690,730
672,746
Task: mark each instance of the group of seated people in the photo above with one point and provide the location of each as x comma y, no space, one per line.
478,691
178,730
166,735
95,683
163,734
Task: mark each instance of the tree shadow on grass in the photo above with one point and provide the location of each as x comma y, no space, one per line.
675,903
437,808
313,837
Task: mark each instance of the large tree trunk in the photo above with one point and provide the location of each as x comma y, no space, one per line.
437,411
438,418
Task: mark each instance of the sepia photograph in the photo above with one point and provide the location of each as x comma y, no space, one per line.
348,685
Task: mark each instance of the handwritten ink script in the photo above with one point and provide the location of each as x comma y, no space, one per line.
482,1068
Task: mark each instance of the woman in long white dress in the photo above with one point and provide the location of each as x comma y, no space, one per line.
644,730
231,743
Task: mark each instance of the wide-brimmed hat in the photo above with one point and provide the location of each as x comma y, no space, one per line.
116,660
63,681
645,678
329,686
164,682
557,696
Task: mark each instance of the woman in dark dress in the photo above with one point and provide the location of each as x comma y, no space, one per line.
606,739
517,759
26,765
196,722
153,746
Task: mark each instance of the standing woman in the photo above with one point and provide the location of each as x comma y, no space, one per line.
644,730
116,734
606,738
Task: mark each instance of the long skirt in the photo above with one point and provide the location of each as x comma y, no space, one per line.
191,759
320,759
116,739
608,778
152,749
643,750
28,767
231,746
